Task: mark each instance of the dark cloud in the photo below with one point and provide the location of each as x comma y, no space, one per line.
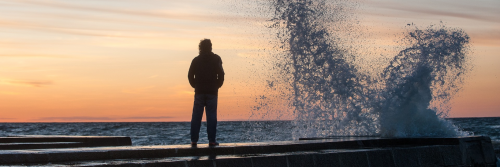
30,83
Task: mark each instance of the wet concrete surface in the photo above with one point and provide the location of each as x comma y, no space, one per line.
42,141
352,151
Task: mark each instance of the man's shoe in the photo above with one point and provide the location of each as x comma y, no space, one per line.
213,144
194,144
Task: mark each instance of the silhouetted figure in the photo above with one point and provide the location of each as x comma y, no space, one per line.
206,76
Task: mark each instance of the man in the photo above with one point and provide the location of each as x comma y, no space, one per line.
206,76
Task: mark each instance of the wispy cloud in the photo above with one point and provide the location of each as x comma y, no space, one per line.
33,55
17,24
86,118
459,11
75,119
8,93
486,37
138,90
117,19
159,117
164,15
33,83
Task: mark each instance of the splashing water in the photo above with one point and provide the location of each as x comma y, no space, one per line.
329,96
431,69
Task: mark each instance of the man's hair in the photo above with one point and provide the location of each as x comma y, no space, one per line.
205,46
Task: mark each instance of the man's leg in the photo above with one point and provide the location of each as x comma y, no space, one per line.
211,110
199,103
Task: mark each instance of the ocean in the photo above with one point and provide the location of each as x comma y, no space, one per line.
173,133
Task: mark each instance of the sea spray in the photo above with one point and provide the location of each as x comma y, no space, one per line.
315,77
328,95
429,71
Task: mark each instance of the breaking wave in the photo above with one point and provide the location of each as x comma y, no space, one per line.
329,96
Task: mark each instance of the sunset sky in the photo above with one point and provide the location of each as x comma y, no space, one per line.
127,60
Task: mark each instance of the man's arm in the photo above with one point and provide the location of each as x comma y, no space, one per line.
191,74
220,74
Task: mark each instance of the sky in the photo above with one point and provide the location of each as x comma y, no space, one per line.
127,60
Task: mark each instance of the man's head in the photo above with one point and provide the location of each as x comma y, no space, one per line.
205,46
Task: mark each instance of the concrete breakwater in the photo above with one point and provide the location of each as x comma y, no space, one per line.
53,141
341,151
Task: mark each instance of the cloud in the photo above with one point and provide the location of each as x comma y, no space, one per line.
33,55
85,118
106,19
33,83
159,117
178,14
8,93
486,37
75,119
164,15
465,11
121,21
72,31
138,90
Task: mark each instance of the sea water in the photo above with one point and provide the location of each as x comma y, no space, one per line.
172,133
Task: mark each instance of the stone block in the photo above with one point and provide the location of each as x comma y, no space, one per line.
23,158
123,154
190,152
117,165
300,160
30,142
231,162
77,156
156,153
248,150
169,164
345,145
316,146
430,155
221,150
380,158
452,156
488,151
406,157
473,152
278,148
269,161
326,159
353,159
200,163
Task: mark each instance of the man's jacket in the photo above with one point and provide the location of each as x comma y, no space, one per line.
206,74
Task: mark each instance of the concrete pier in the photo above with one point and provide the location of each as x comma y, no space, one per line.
41,142
342,151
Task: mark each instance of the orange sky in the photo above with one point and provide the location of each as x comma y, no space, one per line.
126,60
